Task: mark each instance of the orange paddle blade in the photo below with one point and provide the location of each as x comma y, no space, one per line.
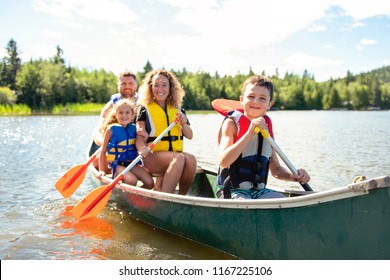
224,106
71,180
93,203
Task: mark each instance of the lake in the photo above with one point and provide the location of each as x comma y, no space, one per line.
37,224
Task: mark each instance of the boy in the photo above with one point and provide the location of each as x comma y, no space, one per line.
245,158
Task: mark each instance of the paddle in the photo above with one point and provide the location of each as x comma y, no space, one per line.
223,106
73,178
95,201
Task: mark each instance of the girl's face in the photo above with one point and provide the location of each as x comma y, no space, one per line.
160,88
255,101
124,114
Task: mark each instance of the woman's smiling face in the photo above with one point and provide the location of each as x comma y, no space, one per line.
160,88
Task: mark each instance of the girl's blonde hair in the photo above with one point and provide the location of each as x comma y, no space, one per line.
111,117
176,92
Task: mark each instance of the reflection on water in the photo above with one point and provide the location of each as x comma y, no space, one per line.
36,151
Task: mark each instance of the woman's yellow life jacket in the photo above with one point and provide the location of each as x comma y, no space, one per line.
159,120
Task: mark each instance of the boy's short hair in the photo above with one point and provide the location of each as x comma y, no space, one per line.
259,80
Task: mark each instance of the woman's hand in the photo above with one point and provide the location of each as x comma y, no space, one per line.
182,118
142,133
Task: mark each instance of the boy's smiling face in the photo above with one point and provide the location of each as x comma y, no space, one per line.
256,100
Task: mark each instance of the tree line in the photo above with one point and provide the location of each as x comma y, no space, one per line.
42,84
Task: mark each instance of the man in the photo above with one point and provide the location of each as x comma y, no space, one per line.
127,87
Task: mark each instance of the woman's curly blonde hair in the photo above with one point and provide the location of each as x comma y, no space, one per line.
176,92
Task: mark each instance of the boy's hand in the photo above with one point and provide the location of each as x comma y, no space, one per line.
258,123
302,177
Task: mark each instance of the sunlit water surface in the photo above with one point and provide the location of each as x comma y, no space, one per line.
36,222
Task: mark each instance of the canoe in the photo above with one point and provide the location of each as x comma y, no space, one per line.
350,222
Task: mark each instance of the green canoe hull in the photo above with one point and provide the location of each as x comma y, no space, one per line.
351,222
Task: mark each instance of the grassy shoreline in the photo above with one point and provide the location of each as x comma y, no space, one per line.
74,109
68,109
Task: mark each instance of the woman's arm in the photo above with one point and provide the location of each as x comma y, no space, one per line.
186,128
140,141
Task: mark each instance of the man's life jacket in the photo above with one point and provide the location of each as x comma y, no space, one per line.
121,147
157,121
251,168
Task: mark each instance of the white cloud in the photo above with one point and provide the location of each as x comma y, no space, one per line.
322,67
303,60
246,24
364,9
223,35
317,28
51,34
41,50
367,42
358,24
99,10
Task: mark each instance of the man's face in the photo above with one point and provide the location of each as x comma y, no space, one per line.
127,87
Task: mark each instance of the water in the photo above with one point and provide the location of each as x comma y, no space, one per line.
36,222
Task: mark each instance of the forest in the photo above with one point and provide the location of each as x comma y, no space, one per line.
42,84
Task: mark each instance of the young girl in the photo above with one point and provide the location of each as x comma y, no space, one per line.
161,98
245,158
118,149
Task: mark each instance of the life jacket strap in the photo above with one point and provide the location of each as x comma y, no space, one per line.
166,138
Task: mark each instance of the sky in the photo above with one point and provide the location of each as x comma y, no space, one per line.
325,37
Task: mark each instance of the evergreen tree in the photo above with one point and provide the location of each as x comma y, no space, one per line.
12,64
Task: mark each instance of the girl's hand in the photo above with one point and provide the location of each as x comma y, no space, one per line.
100,174
144,151
302,177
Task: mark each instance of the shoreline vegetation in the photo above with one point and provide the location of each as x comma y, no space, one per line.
74,109
92,109
68,109
53,87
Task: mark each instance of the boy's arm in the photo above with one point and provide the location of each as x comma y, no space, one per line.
228,150
282,173
278,171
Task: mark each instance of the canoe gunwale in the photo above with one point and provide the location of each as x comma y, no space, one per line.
312,198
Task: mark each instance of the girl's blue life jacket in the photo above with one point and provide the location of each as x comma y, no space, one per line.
121,147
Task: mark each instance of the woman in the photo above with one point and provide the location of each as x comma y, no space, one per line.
161,97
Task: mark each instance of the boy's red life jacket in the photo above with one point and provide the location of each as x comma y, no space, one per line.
250,170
